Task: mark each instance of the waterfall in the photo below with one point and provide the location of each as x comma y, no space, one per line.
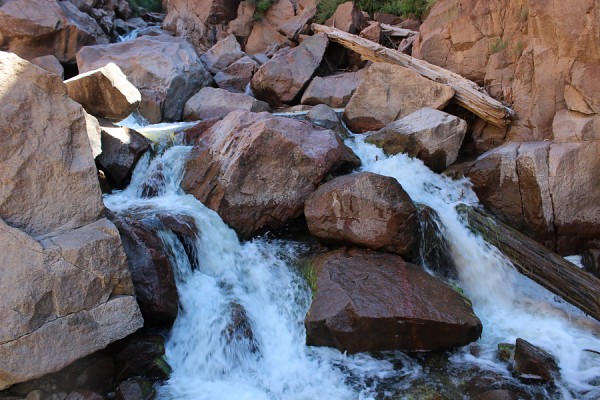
240,333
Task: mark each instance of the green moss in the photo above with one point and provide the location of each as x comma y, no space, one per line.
149,5
404,8
262,6
498,46
309,274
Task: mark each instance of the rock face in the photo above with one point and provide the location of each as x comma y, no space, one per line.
166,70
364,209
105,93
542,189
34,28
540,57
217,103
389,92
412,311
121,150
237,76
222,54
281,79
334,91
256,170
429,135
66,288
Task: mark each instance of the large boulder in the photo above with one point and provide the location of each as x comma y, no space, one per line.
222,54
347,17
66,288
364,209
281,79
542,190
256,170
121,149
540,57
430,135
217,103
389,92
34,28
165,69
237,76
105,92
334,90
202,22
367,301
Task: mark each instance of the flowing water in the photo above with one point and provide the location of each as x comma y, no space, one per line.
240,334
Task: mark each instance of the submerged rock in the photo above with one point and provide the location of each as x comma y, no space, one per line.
281,79
389,92
430,135
105,93
368,301
165,69
256,170
364,209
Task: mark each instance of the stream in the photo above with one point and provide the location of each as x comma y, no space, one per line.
240,333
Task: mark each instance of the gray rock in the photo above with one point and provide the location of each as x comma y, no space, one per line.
327,118
237,76
217,103
334,91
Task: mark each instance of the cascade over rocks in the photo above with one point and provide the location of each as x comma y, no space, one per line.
217,103
410,311
392,92
65,284
105,93
281,79
236,77
364,209
165,69
542,190
334,91
35,28
256,170
430,135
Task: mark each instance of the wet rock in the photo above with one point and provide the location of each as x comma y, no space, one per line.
142,355
434,251
50,64
136,389
506,352
432,136
392,92
242,168
218,103
324,116
590,258
222,54
151,269
498,394
35,28
82,394
364,209
165,69
412,311
237,76
281,79
238,331
121,150
334,91
533,363
188,136
105,93
347,17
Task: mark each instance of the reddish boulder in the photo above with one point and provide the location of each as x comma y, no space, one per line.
334,90
372,32
222,54
347,17
281,79
389,92
368,301
217,103
256,170
364,209
533,363
236,77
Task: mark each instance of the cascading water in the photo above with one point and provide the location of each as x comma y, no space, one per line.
240,334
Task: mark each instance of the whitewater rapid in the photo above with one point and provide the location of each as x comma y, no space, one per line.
256,287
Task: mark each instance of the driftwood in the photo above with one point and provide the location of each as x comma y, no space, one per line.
394,31
541,265
468,94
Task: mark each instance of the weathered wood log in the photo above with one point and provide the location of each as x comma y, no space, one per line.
391,30
550,270
468,94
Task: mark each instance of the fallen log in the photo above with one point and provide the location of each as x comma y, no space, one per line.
394,31
550,270
468,94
